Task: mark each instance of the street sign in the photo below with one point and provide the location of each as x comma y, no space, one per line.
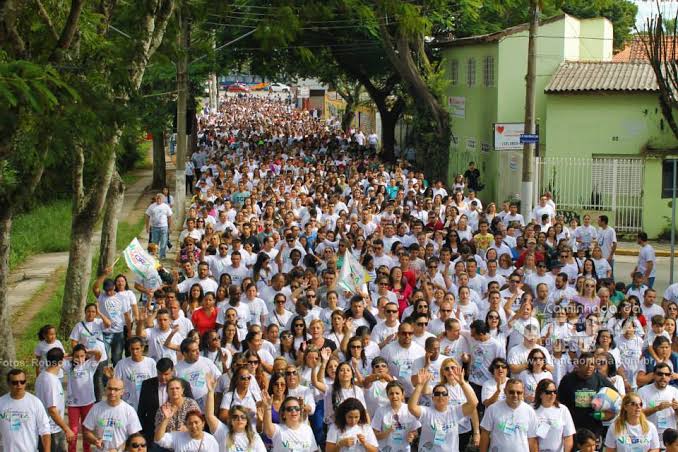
530,138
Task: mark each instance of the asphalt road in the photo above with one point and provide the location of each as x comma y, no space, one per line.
624,265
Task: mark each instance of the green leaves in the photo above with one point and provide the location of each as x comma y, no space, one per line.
31,85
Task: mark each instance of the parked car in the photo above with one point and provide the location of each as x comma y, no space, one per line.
238,88
278,88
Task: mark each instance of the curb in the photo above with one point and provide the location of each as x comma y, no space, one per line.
632,252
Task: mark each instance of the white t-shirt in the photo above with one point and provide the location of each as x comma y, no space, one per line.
354,392
334,435
113,424
489,388
49,390
41,350
653,396
114,308
132,374
482,354
300,439
240,441
195,374
402,422
156,344
510,428
257,310
645,255
158,214
92,339
182,442
22,422
531,380
554,424
633,439
401,362
439,430
80,389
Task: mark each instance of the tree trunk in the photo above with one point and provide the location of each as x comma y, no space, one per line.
109,229
388,124
159,176
194,133
347,117
87,205
7,351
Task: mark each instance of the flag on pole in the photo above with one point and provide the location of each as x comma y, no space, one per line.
352,275
138,260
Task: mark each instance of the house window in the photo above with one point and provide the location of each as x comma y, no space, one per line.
471,72
667,179
454,72
488,71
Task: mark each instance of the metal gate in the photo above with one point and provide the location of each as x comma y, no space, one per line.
598,183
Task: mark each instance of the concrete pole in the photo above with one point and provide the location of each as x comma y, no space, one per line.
182,93
673,221
527,187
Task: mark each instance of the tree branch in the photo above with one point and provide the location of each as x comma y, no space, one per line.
68,32
42,12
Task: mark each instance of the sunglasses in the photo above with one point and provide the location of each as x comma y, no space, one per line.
449,368
293,409
515,393
290,373
550,391
501,366
492,317
391,311
422,323
299,325
245,378
137,445
440,394
18,382
238,417
254,363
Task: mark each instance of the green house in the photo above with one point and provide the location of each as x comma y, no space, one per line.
602,140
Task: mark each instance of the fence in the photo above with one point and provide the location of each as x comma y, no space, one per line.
599,183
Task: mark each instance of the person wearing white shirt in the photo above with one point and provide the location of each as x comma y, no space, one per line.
23,419
585,234
400,356
218,262
513,216
163,340
556,428
237,270
646,260
630,432
659,400
195,370
134,370
159,223
509,425
543,208
207,283
607,239
111,421
50,391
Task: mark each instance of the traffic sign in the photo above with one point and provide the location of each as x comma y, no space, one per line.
529,138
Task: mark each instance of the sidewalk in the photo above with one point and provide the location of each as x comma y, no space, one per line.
29,278
662,249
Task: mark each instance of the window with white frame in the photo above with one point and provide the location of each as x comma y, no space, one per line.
488,71
471,72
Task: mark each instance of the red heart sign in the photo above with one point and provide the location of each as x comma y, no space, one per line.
500,129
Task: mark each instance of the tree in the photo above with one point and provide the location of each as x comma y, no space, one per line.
120,74
661,52
31,89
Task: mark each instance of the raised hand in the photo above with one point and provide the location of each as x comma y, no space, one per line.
325,353
168,410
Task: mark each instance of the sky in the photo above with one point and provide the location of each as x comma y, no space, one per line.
647,8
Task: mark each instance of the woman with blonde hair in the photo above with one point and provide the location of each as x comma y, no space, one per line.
631,431
470,424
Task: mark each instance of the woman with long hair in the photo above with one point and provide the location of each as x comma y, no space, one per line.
556,418
535,372
401,288
342,388
262,271
193,438
351,429
624,312
193,301
286,347
298,325
355,356
239,393
205,318
631,431
210,348
277,389
229,336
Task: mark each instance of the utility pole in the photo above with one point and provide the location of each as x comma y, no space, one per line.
527,187
182,93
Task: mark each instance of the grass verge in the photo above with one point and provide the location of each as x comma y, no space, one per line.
45,229
50,312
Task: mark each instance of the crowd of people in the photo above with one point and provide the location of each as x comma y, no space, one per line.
471,326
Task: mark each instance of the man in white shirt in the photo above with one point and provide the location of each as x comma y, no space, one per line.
218,262
400,356
23,419
194,369
509,425
660,400
513,216
207,283
134,370
543,208
646,260
649,307
159,223
111,421
607,240
50,391
158,336
517,357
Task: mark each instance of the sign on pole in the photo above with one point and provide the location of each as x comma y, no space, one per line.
529,138
507,135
